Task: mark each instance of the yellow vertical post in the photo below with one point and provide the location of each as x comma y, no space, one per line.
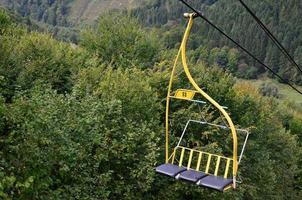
227,168
208,163
181,156
199,161
217,166
168,104
190,159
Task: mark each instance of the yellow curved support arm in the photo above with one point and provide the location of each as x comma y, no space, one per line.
168,105
182,51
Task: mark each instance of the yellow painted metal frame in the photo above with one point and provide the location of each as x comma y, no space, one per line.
182,53
201,154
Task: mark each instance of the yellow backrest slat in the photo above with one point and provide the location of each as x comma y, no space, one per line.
199,161
227,168
181,156
190,159
193,155
217,166
208,163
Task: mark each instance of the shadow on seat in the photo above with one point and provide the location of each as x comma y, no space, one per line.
191,175
215,182
169,169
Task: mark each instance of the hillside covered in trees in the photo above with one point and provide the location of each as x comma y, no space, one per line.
281,17
68,12
62,18
86,120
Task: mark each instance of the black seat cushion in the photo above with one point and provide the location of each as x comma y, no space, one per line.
191,175
214,182
169,169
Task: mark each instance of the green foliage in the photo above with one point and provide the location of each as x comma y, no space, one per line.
59,62
96,146
247,72
87,123
5,20
121,41
281,17
269,89
51,12
28,58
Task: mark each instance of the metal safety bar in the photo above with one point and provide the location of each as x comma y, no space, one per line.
195,101
219,126
184,131
192,100
243,147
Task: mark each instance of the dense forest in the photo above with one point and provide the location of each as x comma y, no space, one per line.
63,19
68,12
50,16
281,17
50,12
86,120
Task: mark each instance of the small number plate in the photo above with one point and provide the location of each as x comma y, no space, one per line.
185,94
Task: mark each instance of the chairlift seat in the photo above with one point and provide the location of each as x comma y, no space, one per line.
169,169
215,182
187,157
191,175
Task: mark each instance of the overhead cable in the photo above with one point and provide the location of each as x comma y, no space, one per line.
272,37
199,14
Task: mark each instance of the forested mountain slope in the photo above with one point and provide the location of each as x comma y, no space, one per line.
67,12
63,18
282,17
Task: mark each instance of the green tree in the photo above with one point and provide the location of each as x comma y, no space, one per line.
120,40
233,57
5,21
97,146
269,89
27,58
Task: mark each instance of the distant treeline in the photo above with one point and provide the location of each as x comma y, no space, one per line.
45,15
47,11
282,17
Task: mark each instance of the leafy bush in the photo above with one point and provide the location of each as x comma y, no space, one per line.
247,72
101,146
269,89
34,57
121,41
5,20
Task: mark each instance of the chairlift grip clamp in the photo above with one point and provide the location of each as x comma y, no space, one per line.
188,15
